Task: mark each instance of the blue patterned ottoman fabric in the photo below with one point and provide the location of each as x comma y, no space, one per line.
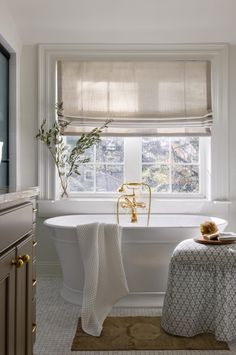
201,291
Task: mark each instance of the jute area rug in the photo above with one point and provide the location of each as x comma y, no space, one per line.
140,333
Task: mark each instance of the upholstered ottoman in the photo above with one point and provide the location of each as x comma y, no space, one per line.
201,291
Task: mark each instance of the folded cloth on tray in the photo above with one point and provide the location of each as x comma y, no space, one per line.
227,236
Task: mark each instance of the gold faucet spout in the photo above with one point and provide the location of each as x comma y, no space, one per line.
134,218
129,201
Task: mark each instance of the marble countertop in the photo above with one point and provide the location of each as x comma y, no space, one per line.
7,199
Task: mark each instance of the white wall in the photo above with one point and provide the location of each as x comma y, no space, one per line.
10,40
29,115
232,137
132,21
8,32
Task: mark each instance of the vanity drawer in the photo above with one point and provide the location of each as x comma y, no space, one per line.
15,225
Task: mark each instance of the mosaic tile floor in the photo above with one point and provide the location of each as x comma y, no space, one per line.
57,320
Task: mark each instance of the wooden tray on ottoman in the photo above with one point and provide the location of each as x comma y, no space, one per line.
212,241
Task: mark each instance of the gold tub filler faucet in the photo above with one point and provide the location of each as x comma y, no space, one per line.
129,200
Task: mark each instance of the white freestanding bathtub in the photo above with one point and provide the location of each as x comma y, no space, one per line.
146,252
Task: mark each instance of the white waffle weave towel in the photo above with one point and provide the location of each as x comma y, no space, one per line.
104,277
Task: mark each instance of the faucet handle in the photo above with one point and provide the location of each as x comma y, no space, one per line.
123,204
141,204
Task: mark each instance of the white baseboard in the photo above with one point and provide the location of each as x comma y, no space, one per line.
133,299
142,299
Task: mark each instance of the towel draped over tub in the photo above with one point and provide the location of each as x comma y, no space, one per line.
105,282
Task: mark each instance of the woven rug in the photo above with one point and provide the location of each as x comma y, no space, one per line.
140,333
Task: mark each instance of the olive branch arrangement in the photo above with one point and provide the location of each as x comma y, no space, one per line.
67,161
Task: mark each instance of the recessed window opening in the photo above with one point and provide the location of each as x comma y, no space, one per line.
161,123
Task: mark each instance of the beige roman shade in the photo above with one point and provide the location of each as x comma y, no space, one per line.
141,97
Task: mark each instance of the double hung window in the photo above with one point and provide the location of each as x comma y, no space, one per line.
172,166
159,111
168,105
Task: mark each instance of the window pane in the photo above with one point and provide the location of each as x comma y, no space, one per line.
157,177
110,150
109,177
180,155
155,150
71,143
185,149
84,181
185,178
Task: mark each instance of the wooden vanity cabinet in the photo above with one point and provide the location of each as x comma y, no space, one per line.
17,296
7,303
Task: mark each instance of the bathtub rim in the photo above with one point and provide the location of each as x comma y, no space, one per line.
219,221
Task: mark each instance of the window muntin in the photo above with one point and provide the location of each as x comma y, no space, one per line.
170,165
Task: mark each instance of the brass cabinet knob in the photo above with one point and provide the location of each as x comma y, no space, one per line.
34,209
34,282
34,244
34,326
25,258
19,263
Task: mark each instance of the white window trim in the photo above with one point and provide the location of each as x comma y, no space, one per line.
216,53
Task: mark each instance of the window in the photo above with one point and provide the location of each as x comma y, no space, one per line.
159,99
213,177
169,165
